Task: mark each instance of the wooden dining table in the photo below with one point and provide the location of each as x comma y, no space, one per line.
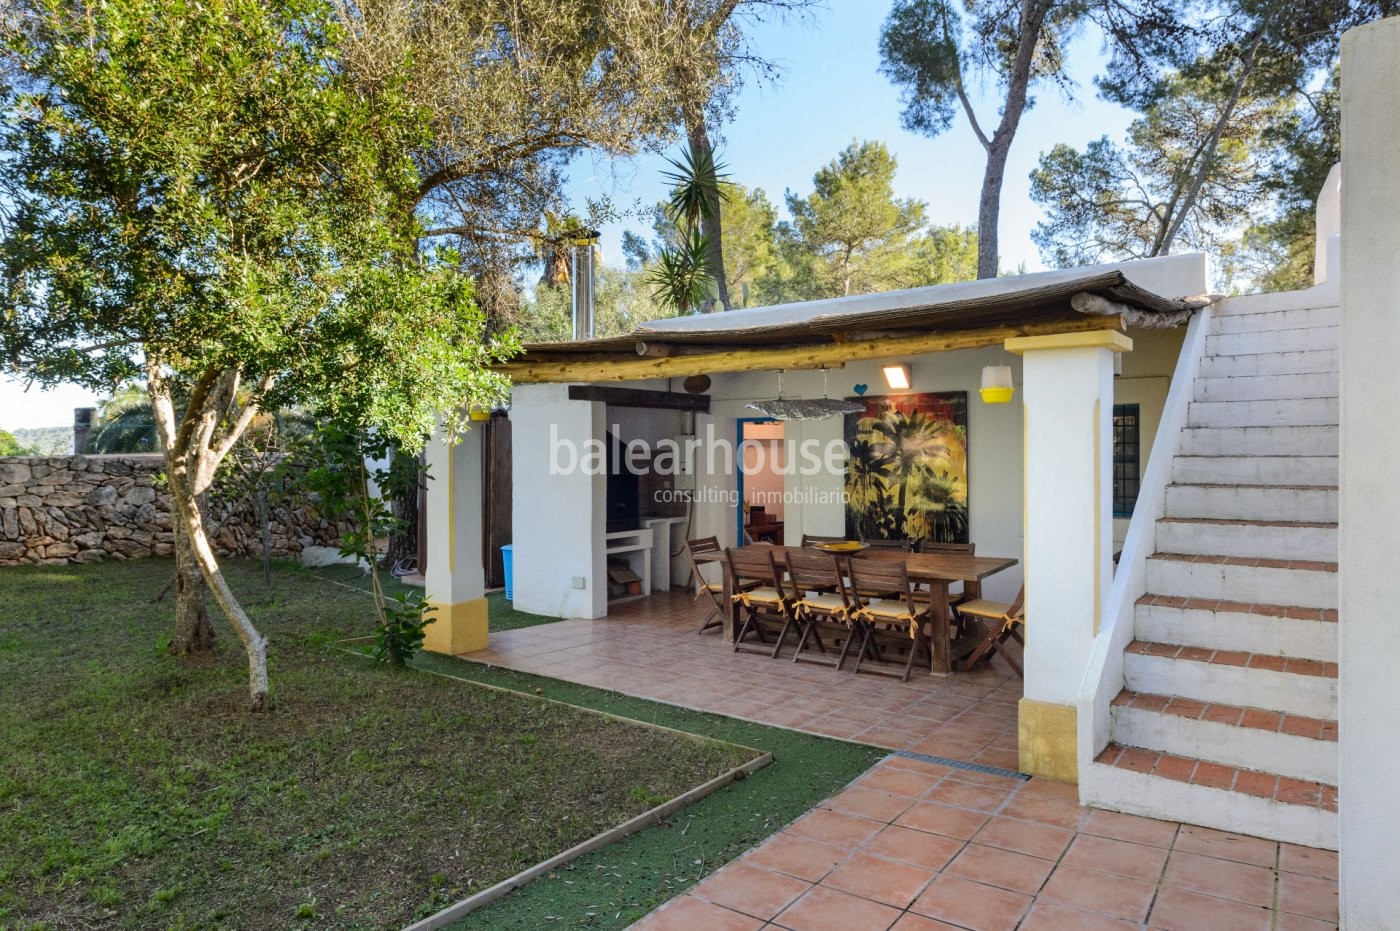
936,570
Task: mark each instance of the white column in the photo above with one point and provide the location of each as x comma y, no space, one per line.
559,513
455,581
816,506
1068,448
1370,497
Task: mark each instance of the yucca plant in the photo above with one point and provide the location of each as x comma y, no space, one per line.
686,275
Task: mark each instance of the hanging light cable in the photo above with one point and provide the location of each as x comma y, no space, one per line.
781,408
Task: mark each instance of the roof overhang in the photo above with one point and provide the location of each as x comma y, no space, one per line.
816,334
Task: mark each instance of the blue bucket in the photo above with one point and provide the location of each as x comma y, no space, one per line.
508,564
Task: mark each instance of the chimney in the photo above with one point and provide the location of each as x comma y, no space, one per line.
82,426
582,275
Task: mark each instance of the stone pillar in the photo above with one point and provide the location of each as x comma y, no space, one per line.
559,514
455,583
1068,449
83,420
1370,498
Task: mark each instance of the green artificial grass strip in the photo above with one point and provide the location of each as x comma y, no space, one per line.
617,885
503,615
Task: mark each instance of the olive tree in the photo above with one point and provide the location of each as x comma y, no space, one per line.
201,196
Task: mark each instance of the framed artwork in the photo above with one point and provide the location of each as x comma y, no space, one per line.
906,477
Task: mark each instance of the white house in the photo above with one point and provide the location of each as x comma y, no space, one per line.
1199,681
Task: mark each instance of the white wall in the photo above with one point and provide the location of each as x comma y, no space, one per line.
1370,495
558,520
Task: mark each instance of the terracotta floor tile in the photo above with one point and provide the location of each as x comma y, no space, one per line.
1092,891
1226,879
827,910
688,913
918,847
797,856
904,782
910,921
1060,813
1227,846
1136,861
961,823
1310,896
869,803
1037,840
891,882
1050,788
1005,869
1290,922
835,827
969,795
1182,910
1310,860
1131,828
934,771
1047,915
750,889
971,905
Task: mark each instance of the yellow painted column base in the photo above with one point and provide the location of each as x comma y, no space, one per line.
456,628
1048,736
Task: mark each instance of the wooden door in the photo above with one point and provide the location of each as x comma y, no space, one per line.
496,496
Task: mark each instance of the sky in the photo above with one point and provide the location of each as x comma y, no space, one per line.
831,93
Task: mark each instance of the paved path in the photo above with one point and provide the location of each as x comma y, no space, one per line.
917,846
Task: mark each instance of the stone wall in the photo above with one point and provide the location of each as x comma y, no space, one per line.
64,509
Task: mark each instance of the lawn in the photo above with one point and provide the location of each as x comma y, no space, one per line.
136,793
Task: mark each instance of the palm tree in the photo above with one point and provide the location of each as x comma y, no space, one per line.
125,423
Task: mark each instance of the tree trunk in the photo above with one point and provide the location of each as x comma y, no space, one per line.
192,454
1032,19
253,642
699,137
989,211
194,632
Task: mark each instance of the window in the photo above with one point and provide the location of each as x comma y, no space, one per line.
1126,459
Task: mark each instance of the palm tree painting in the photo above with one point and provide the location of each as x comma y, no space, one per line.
906,476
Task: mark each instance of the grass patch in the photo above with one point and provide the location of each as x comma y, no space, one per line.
503,613
614,887
136,794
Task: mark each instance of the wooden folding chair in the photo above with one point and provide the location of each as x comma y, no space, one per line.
819,603
810,540
890,619
698,550
999,622
758,590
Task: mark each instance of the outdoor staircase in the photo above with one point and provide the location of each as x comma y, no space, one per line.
1228,718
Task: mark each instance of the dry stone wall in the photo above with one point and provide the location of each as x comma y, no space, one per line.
67,509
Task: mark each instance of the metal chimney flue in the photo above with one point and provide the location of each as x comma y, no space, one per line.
581,272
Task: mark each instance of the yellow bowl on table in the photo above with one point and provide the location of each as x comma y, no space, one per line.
844,546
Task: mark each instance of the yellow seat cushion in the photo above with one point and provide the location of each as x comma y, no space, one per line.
981,607
822,601
764,594
896,610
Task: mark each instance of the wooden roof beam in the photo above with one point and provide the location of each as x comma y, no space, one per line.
624,367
